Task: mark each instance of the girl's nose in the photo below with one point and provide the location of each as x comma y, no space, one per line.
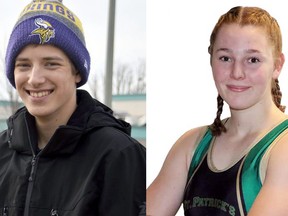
237,71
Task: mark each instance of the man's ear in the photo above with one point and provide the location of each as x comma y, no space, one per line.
77,78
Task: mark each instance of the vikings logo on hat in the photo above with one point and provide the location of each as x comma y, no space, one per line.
45,31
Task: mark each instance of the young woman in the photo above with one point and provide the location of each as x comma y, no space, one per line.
238,165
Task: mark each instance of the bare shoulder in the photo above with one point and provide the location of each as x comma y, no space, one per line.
278,158
188,142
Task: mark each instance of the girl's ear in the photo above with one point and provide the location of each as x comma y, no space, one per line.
278,66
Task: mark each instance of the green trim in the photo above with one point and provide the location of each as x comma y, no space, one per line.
250,187
200,151
4,103
3,124
138,132
129,97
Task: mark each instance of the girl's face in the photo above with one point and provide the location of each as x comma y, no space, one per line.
243,66
46,82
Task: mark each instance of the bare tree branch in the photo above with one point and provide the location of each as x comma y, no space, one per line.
130,80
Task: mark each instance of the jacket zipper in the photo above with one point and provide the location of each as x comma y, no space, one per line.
54,212
34,164
5,211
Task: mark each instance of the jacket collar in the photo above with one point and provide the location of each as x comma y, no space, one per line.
23,136
89,114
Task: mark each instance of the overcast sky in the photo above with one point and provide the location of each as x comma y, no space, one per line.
130,28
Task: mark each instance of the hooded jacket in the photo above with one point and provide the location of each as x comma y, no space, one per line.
91,166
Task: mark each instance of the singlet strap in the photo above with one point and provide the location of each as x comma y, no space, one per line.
200,152
250,187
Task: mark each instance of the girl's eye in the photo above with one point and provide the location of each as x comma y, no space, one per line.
253,60
225,58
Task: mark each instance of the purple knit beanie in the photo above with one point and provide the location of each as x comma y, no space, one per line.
49,22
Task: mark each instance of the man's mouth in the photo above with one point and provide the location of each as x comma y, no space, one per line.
39,94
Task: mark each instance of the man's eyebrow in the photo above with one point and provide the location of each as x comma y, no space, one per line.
53,58
45,58
21,59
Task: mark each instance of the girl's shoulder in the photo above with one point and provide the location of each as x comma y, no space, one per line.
188,142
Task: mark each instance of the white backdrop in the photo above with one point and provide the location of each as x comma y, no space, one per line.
180,89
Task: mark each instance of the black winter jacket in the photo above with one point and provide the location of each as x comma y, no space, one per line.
91,166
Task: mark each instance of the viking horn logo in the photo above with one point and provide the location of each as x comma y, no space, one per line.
44,30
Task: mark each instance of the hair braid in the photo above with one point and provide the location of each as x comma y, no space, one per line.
277,95
218,127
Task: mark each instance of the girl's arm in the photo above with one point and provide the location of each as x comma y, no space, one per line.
165,194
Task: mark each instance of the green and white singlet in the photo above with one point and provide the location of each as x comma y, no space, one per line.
231,191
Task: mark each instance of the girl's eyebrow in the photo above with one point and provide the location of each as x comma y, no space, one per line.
247,51
223,49
252,51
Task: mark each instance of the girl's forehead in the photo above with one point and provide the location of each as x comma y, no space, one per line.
243,39
248,29
249,34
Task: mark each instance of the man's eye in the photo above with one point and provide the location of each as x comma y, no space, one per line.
52,64
22,65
